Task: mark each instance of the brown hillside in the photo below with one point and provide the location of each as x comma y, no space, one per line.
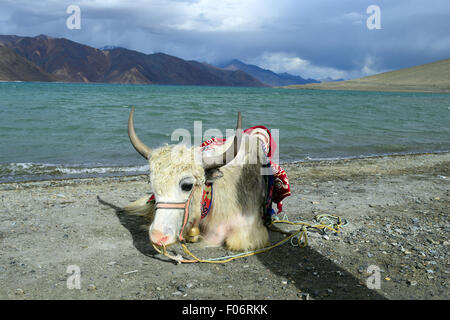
16,68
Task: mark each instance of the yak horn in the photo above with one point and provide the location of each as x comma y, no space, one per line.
135,141
230,154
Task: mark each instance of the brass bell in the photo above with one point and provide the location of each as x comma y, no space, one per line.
193,234
194,231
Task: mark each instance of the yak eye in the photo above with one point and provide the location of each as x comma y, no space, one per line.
186,186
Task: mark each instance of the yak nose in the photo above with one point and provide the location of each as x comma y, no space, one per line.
159,238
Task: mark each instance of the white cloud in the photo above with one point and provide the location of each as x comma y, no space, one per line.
286,62
225,15
290,63
189,15
367,68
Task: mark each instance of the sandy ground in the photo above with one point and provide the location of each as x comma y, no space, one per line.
397,211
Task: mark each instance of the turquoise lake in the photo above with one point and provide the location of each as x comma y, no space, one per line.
61,130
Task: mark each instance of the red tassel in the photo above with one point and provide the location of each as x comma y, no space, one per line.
279,207
152,198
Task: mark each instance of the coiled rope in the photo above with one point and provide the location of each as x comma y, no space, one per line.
325,222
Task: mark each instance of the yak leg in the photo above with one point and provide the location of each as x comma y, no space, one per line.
250,235
215,237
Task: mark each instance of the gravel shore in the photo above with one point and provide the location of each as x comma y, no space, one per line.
395,245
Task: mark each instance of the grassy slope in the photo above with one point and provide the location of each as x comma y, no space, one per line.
431,77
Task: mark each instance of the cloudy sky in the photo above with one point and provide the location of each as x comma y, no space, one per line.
315,39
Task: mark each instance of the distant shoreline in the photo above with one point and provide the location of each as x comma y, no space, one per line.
311,86
369,88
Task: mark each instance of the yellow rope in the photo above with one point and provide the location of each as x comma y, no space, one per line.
302,240
186,250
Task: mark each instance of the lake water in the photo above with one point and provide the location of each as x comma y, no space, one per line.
60,130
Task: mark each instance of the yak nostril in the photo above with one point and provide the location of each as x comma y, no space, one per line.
158,238
163,240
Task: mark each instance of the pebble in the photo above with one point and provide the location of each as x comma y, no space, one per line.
129,272
189,285
177,293
305,296
411,282
19,292
405,251
91,287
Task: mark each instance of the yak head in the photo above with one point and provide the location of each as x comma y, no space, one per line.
177,176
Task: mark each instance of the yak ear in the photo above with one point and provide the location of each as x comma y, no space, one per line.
212,174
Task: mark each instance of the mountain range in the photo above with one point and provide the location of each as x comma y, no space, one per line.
266,76
44,58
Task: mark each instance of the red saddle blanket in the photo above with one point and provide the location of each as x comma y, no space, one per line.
278,184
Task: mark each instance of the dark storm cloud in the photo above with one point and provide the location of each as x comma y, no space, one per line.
310,38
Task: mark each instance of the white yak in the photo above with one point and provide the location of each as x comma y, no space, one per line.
178,175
